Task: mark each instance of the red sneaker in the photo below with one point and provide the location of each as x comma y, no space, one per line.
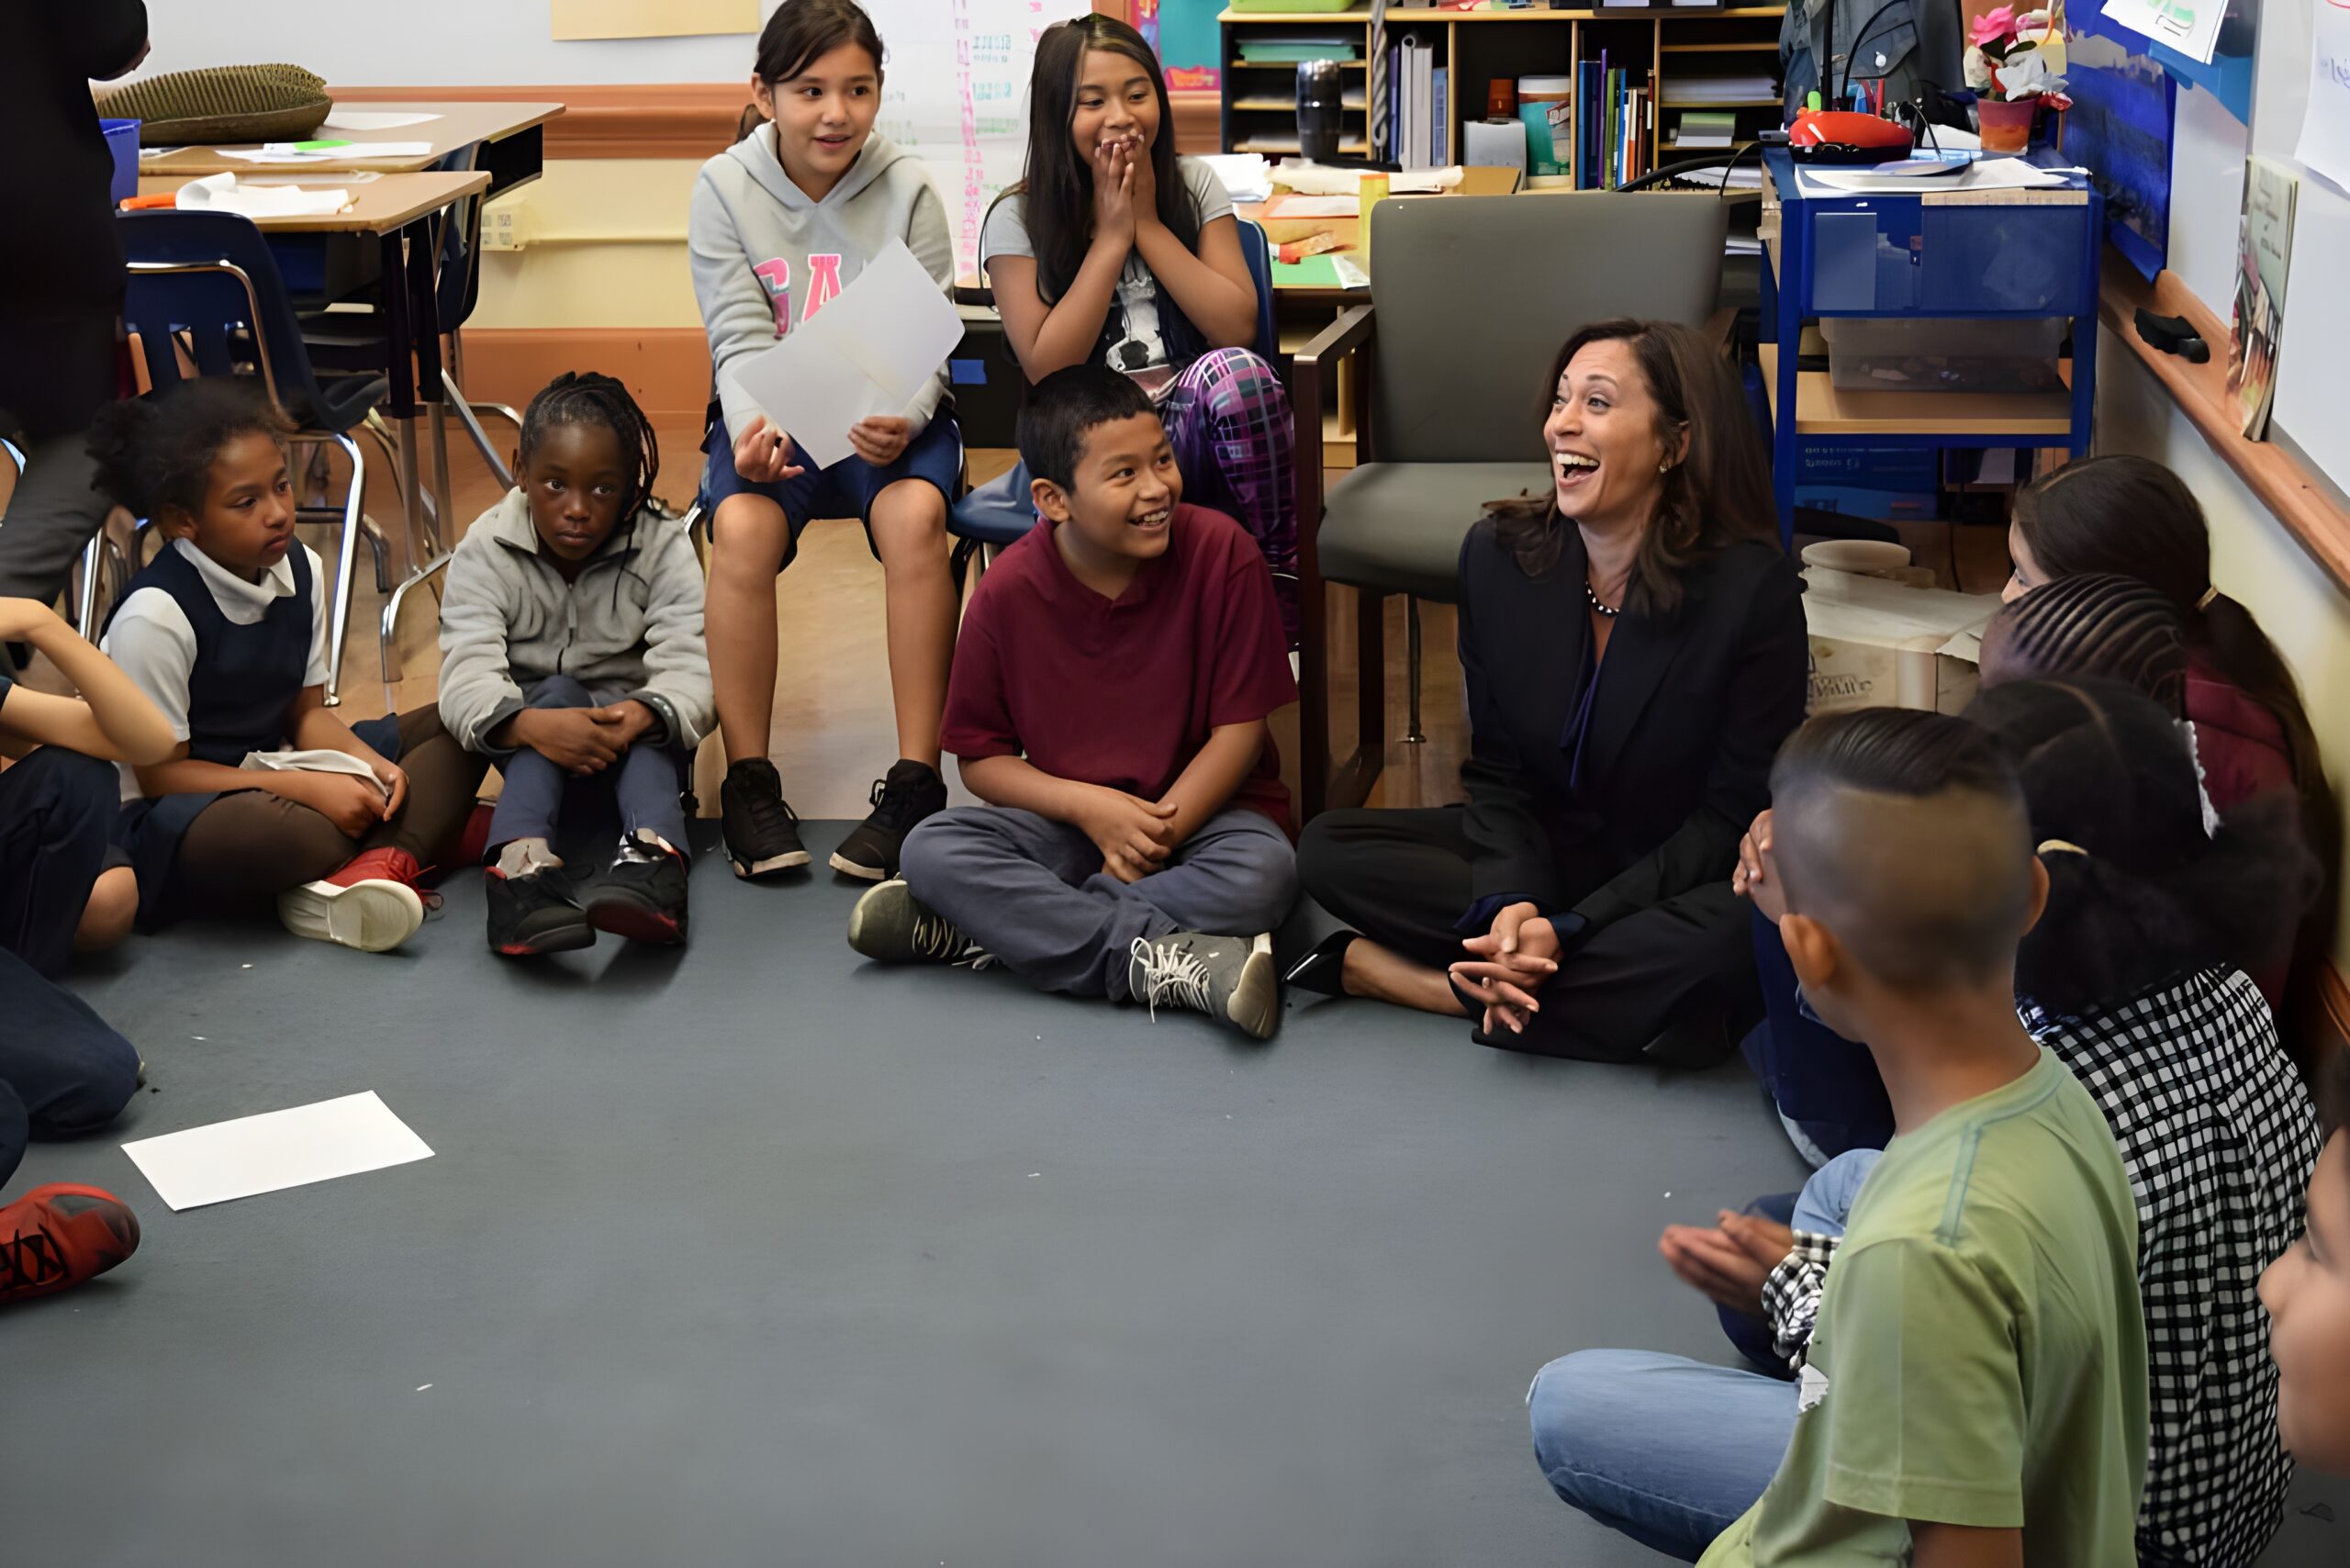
60,1235
371,904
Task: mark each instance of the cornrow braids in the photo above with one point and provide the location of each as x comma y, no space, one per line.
2099,625
586,397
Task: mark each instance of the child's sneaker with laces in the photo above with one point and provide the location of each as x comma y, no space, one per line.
642,894
534,913
372,903
911,791
60,1235
889,926
762,830
1230,978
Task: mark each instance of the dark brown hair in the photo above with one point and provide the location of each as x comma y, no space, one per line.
2098,626
1719,493
803,31
2131,515
157,451
1055,189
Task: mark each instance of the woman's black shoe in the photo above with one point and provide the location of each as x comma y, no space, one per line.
1322,970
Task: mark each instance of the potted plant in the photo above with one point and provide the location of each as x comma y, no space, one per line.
2011,76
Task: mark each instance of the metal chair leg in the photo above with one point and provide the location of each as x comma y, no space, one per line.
388,634
346,560
93,573
459,406
1412,735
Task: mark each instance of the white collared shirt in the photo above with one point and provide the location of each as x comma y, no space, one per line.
154,643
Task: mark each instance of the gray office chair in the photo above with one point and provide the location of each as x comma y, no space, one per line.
1472,297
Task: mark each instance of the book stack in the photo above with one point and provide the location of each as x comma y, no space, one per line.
1711,129
1615,125
1418,122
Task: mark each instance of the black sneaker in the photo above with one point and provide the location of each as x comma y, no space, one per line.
1230,978
642,894
911,791
534,914
889,926
762,830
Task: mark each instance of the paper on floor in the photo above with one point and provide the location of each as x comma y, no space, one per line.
868,351
221,193
275,1150
341,118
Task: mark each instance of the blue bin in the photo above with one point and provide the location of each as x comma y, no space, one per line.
122,140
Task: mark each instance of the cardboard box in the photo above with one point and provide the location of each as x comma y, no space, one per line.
1878,644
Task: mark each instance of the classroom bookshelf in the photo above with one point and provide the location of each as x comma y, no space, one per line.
1700,58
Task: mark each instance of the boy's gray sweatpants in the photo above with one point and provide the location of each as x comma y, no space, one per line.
1032,892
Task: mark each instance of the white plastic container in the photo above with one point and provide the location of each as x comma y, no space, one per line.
1934,353
1546,108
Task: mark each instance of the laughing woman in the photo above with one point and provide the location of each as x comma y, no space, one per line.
1634,651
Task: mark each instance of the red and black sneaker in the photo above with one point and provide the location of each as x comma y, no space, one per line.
534,914
642,895
60,1235
372,903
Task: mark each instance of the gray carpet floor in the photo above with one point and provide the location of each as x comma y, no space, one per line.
755,1254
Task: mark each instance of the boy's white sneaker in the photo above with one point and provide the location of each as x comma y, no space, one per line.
371,904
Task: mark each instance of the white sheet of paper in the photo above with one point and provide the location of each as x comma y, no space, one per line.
265,155
2324,147
868,351
275,1150
2190,26
342,118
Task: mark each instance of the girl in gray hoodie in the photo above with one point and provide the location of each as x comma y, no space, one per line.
782,222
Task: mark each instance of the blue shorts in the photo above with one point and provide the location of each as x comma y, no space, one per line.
848,487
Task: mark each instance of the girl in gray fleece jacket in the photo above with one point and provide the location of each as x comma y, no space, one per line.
572,651
782,222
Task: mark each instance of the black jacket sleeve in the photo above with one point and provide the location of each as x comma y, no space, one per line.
1765,704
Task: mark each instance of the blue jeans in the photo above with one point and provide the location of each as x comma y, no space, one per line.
1669,1450
541,800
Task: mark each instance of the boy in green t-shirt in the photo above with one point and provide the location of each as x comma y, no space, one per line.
1976,1388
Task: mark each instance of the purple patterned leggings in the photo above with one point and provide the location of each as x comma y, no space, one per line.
1228,419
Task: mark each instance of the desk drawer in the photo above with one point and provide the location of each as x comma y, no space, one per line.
1901,254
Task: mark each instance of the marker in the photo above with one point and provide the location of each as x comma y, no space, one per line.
1813,103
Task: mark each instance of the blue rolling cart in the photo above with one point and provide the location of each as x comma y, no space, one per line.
1989,256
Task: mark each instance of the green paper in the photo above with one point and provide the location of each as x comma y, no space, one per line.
1314,271
320,146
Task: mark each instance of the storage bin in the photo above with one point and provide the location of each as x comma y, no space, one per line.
122,140
1929,354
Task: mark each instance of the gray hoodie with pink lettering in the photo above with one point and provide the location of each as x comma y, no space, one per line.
766,258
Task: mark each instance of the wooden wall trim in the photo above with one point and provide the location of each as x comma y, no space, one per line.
689,121
2201,391
666,370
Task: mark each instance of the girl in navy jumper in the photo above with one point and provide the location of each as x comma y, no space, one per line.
269,796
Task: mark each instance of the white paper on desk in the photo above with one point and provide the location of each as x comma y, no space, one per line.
1989,174
341,118
272,155
1316,207
1320,179
1246,175
2190,26
868,351
221,193
275,1150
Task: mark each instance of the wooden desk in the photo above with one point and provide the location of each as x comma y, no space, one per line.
1476,180
509,134
397,212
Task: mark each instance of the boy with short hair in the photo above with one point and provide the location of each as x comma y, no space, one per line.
1976,1393
1108,702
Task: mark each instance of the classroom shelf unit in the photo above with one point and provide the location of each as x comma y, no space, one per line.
1697,57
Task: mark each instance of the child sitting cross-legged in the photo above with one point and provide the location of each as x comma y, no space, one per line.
269,797
1108,701
1977,1391
571,634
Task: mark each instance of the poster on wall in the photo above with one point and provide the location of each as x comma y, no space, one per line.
956,97
2324,148
574,19
2124,105
2264,244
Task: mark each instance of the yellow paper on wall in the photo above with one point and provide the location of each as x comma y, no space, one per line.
652,18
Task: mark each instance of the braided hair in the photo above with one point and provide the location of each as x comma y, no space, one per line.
586,398
2099,625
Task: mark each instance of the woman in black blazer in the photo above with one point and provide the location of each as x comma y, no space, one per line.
1634,651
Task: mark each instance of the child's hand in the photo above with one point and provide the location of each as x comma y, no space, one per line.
1114,207
1753,878
1133,834
353,804
1707,1259
1142,187
395,782
625,722
880,439
763,454
571,738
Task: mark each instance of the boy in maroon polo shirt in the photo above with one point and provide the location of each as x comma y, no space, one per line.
1108,701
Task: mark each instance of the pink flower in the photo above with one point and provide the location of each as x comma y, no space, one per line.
1992,26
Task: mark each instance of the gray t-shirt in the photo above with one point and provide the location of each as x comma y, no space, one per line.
1138,347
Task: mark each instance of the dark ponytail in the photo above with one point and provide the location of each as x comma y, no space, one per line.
156,451
2138,891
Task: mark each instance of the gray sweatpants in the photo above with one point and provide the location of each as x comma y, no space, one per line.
1032,892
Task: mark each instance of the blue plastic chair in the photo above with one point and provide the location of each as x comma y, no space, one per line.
205,285
997,513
